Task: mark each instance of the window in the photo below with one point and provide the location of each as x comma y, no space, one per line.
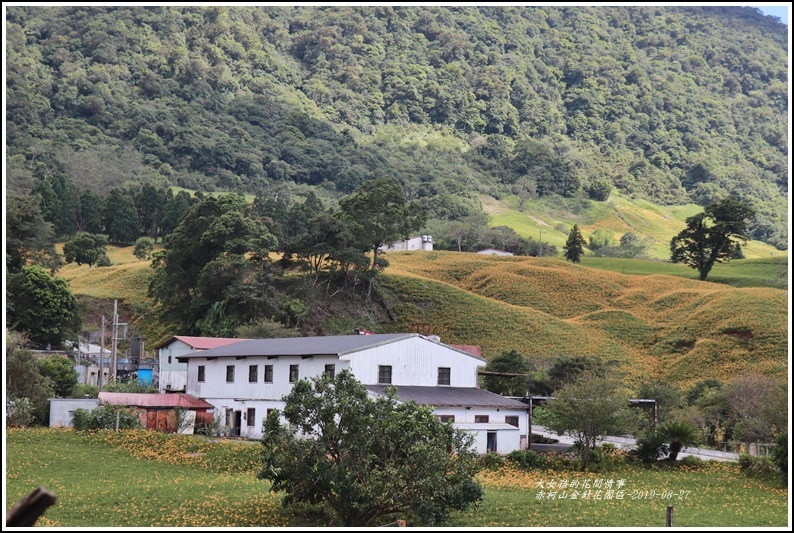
169,359
268,373
293,373
443,375
250,417
384,375
270,411
201,373
330,371
447,418
229,373
512,420
480,419
252,373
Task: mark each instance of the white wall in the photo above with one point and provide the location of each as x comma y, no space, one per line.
62,409
216,386
173,375
415,361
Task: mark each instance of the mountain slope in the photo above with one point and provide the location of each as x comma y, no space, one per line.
673,104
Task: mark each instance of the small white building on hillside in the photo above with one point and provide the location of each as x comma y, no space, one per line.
494,251
247,379
423,242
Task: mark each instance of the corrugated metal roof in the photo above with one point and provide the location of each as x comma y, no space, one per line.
329,345
154,400
450,396
201,343
469,348
323,345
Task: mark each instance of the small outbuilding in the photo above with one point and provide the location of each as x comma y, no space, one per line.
159,411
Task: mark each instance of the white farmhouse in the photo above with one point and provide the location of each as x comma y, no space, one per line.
173,374
423,242
247,379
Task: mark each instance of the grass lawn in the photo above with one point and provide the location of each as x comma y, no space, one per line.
154,480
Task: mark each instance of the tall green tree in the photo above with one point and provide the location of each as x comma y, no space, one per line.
514,368
368,460
173,210
61,373
380,214
28,234
86,248
23,377
125,227
41,306
213,270
574,246
710,236
92,208
587,409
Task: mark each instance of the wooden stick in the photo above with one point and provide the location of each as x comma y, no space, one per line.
30,508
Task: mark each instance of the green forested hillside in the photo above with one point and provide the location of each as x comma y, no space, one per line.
675,105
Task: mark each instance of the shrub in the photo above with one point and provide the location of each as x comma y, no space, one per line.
757,465
692,461
104,417
20,412
650,447
526,459
491,461
780,455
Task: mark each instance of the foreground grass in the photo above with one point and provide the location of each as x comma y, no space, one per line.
152,480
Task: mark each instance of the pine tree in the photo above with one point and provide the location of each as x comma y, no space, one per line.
574,246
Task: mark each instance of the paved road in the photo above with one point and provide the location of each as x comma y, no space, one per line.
627,443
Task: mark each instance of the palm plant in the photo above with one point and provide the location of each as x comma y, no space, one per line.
651,447
678,435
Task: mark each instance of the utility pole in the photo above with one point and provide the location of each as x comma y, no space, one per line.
101,356
115,340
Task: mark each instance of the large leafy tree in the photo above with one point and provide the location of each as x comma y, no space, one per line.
574,246
211,275
61,373
587,409
710,236
367,460
23,377
28,234
42,306
510,374
380,214
86,248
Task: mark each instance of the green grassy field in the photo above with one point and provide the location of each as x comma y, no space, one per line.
539,220
143,479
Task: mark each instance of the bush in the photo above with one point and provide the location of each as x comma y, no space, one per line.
692,461
104,417
757,465
650,448
491,461
780,455
526,459
20,412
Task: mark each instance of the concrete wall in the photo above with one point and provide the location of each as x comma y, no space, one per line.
62,409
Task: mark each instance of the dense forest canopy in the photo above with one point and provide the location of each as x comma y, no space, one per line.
671,104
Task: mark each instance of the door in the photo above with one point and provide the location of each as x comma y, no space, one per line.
491,443
238,421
